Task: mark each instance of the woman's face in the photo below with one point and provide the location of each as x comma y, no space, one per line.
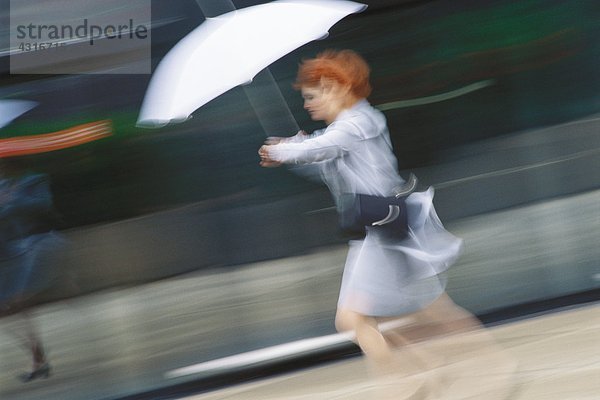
314,102
326,101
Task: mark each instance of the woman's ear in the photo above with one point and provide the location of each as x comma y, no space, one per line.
333,88
328,85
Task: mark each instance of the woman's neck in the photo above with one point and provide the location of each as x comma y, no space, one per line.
347,103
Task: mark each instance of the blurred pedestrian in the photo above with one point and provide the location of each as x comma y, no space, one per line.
388,272
27,244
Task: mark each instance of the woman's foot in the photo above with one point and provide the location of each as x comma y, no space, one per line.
41,371
41,367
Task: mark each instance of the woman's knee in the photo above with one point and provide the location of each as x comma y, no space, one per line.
345,320
341,323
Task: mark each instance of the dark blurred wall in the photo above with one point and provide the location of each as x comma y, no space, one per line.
538,59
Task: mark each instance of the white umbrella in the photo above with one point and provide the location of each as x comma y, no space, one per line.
229,50
11,109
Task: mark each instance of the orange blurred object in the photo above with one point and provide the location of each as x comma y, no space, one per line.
71,137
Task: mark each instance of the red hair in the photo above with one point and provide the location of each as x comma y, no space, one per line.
344,66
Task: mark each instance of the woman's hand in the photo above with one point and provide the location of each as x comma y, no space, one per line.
265,160
274,140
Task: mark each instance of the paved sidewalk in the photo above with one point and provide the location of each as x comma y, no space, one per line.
552,357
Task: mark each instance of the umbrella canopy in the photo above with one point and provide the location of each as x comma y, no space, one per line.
229,50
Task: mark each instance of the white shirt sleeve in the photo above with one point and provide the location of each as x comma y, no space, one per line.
297,138
333,143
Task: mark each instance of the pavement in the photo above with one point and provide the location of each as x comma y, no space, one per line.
550,357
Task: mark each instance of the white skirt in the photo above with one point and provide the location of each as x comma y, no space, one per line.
384,276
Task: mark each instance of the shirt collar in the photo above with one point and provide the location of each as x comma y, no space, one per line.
360,104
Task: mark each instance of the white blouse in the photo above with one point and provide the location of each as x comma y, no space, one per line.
353,154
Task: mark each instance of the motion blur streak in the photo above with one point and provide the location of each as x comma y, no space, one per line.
183,251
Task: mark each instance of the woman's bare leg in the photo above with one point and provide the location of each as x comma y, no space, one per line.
384,364
26,333
368,336
465,346
444,318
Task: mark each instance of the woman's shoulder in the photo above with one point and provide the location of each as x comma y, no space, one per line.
364,118
33,180
34,177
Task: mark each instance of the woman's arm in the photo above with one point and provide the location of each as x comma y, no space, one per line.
332,144
298,137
